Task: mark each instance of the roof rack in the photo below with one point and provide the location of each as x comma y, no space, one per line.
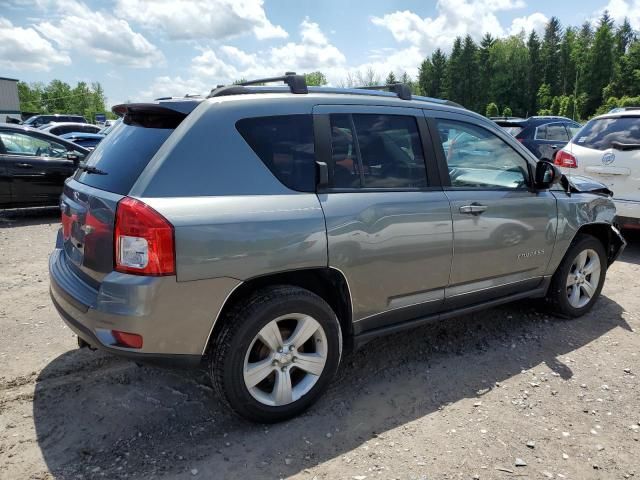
402,90
296,83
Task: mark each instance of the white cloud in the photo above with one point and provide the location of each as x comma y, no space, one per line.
228,63
99,35
454,18
191,19
619,9
24,48
535,21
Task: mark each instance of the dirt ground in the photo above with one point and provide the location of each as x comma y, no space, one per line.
468,398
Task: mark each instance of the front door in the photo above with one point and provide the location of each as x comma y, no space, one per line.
36,166
504,231
388,222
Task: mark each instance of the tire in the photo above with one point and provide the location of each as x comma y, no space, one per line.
570,276
250,373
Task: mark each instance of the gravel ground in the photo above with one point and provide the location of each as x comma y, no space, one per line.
509,392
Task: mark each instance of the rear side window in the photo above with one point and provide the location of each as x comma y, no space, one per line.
599,133
124,154
376,151
285,144
552,131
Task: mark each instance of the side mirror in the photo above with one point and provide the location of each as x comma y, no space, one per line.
547,174
323,174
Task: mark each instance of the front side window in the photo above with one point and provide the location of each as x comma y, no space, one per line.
477,158
376,151
285,144
20,144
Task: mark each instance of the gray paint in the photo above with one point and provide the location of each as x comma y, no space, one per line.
234,221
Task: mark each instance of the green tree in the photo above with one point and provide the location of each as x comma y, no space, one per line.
455,70
534,71
550,54
315,79
492,110
544,97
391,78
600,63
485,68
555,106
506,112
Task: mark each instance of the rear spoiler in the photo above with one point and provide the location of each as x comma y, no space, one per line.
159,108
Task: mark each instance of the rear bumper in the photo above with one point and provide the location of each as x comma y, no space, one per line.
174,318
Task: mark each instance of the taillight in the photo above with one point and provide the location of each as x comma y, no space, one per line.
565,159
143,238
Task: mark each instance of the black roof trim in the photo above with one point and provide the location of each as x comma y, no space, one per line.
297,84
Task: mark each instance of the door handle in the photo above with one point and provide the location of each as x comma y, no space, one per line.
24,165
473,209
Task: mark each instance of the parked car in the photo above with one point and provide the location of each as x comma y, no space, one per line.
607,148
264,230
68,127
543,136
108,129
39,120
86,140
34,166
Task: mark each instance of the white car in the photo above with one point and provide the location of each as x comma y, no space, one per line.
607,149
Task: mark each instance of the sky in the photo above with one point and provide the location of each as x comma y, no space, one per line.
142,49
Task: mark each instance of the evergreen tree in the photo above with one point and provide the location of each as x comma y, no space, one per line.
506,112
534,73
550,54
600,63
469,78
391,78
439,62
485,70
455,71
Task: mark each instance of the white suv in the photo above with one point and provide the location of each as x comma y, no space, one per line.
607,148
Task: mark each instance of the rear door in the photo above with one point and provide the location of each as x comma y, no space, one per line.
37,167
503,230
388,221
549,138
608,149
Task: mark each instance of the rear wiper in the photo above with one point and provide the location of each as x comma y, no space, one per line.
91,169
625,146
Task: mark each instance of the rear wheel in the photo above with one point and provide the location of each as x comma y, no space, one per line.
276,353
577,283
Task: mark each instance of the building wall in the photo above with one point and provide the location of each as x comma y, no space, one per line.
9,102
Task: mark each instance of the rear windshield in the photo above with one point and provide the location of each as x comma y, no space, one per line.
123,154
599,133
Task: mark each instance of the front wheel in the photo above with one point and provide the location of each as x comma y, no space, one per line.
276,353
577,283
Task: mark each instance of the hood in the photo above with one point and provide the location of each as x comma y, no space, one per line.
580,184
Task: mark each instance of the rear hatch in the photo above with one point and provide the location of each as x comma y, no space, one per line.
91,196
512,127
608,150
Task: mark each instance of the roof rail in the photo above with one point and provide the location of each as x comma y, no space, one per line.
402,90
296,83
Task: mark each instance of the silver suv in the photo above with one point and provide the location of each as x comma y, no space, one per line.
265,230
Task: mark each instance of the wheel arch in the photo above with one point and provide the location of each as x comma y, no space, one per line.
610,239
328,283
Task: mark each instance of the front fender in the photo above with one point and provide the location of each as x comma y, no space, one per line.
588,213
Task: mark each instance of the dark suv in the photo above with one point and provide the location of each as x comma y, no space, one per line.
543,136
265,229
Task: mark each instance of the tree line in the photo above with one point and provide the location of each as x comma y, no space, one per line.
574,72
60,97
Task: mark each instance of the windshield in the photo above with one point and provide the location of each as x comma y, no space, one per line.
599,133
